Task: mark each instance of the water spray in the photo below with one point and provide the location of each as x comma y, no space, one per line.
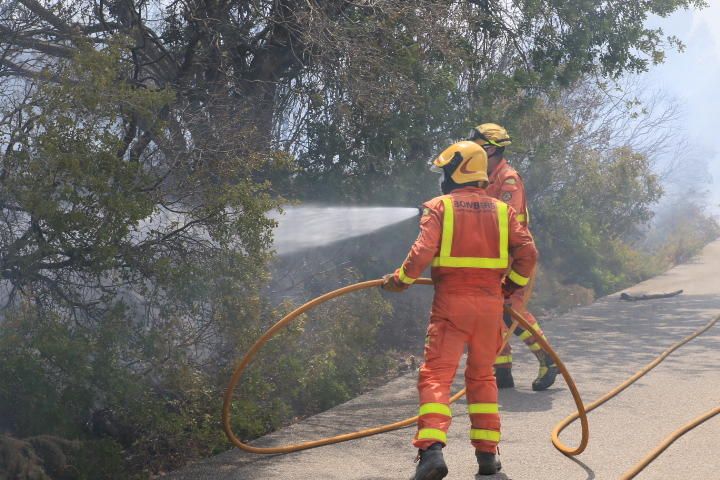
312,226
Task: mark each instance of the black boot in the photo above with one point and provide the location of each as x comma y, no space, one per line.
548,371
488,463
431,466
504,378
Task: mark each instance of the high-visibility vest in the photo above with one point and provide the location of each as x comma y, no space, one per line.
446,258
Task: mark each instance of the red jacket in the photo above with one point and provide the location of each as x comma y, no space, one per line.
470,239
507,185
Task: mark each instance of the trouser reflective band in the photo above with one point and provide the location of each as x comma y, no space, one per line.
525,335
535,347
432,434
482,408
437,408
503,359
480,434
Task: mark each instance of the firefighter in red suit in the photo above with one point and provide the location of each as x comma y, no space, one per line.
507,185
480,253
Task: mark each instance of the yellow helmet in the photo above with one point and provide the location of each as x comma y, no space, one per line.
490,133
463,162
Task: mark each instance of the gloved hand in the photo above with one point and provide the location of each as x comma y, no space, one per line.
509,287
392,285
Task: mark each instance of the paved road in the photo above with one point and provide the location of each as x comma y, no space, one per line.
601,344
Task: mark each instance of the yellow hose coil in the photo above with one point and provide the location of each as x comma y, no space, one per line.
518,319
227,403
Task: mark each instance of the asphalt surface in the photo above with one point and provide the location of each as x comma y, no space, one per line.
602,345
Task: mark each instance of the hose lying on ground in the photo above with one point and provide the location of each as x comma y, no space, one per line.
581,413
227,401
615,391
667,442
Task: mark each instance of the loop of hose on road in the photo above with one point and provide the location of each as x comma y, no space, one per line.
581,412
227,403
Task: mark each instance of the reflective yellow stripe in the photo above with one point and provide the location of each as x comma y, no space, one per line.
489,435
535,347
526,334
470,262
483,408
503,359
517,278
432,434
520,217
447,260
448,228
439,408
404,278
502,211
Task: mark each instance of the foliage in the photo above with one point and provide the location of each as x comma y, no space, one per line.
81,212
43,457
77,385
324,358
115,267
358,91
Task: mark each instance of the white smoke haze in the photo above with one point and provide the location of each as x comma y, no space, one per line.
692,77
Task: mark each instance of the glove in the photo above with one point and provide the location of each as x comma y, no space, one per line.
509,287
391,284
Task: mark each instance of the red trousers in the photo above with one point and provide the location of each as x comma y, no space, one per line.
472,319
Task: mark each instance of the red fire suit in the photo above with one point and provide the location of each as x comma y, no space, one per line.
506,184
471,240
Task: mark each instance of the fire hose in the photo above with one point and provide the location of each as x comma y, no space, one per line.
518,319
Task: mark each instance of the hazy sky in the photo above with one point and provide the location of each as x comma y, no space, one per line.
693,78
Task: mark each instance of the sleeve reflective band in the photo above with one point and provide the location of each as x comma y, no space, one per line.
503,359
483,408
520,217
438,408
517,278
447,260
404,278
489,435
432,434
